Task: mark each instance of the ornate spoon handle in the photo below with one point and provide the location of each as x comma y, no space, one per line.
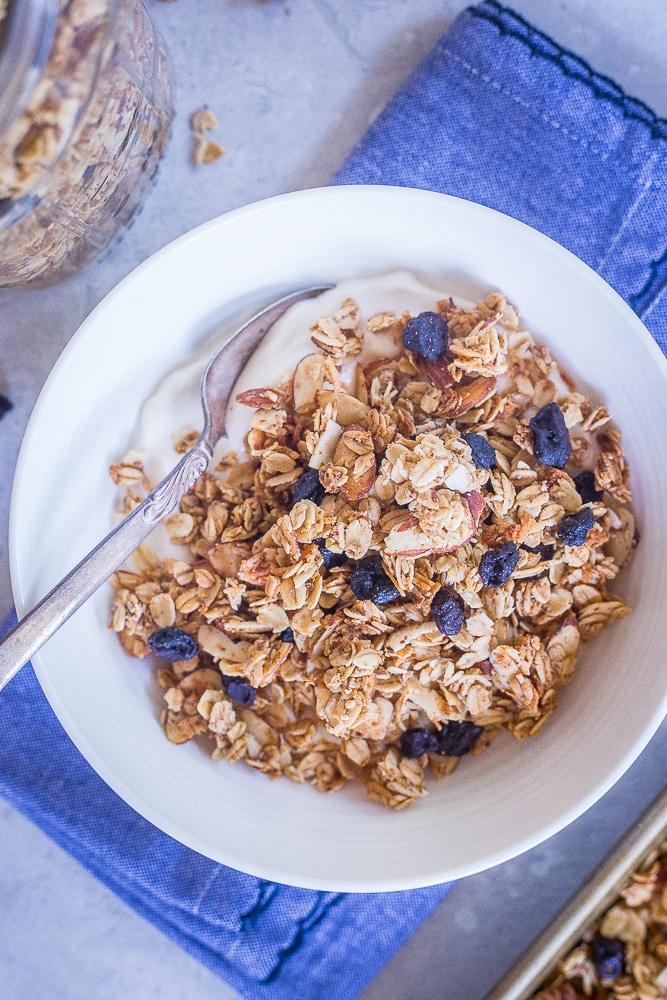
220,376
54,609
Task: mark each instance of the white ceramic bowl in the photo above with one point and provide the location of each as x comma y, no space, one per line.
492,807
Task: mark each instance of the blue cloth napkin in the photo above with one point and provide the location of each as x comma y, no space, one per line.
499,114
268,941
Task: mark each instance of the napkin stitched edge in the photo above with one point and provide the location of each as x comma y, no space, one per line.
508,22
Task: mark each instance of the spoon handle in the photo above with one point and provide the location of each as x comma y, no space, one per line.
66,597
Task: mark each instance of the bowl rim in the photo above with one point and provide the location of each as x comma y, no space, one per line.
91,753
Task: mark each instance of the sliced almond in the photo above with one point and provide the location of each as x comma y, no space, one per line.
226,557
466,397
355,453
349,410
220,646
326,446
360,388
435,372
476,504
310,376
261,399
408,539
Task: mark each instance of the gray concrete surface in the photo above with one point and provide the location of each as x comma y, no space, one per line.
294,84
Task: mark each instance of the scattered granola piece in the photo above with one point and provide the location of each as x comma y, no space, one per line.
203,149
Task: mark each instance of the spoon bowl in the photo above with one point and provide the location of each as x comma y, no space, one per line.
52,611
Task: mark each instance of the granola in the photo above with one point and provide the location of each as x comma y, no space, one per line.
623,955
391,575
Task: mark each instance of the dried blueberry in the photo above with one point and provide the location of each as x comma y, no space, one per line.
5,406
384,591
416,742
427,335
483,454
362,582
608,956
369,582
287,635
497,565
329,558
372,563
173,644
309,487
551,442
448,610
457,738
239,689
574,528
546,551
586,488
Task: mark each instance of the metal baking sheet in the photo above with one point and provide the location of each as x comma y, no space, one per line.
589,902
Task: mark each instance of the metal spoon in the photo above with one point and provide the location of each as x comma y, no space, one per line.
218,380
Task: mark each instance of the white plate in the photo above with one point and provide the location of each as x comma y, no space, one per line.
491,808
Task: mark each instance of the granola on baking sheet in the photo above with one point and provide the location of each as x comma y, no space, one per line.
403,565
623,955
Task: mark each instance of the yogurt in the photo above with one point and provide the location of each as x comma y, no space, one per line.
175,405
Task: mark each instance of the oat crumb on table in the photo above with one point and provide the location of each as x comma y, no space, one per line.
404,566
204,150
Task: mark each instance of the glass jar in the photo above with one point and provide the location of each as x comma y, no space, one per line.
85,110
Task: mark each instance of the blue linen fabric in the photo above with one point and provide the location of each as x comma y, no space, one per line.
268,941
501,115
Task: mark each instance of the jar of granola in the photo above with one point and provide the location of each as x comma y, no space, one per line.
85,109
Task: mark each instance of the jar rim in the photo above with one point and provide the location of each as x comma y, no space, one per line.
25,45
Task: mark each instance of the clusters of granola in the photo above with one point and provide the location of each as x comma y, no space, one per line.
623,956
323,569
